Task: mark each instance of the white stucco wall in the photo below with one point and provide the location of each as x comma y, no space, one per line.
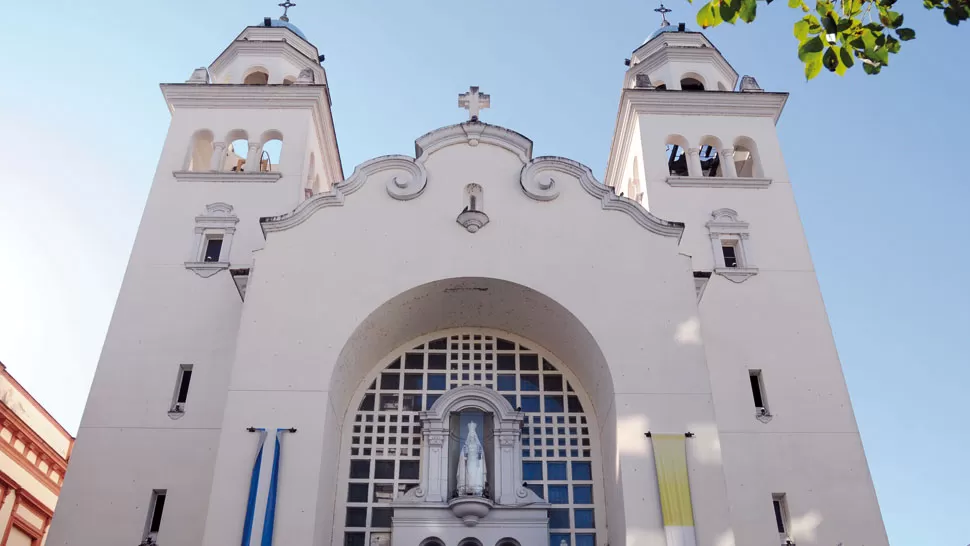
357,273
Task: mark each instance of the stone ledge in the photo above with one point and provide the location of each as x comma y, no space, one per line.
716,182
226,176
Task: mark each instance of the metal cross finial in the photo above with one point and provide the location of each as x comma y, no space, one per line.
286,7
663,11
473,101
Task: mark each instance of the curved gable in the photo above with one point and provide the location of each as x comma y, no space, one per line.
542,179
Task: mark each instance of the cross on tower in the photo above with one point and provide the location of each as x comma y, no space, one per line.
663,11
473,101
286,7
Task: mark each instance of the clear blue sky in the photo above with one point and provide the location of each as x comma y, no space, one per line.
878,164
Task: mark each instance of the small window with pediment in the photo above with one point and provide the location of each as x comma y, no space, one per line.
214,230
730,244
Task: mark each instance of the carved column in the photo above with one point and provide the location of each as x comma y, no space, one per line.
252,159
218,156
505,462
694,162
437,457
727,163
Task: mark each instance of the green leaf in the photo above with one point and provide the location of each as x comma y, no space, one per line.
830,60
951,16
846,57
822,7
871,69
828,22
814,27
810,48
748,11
795,3
893,45
708,16
906,34
728,10
891,19
801,31
813,67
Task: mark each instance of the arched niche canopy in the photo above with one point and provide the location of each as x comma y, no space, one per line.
505,473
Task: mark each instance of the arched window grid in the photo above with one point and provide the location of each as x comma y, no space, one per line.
383,437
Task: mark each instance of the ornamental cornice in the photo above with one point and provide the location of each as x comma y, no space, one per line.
540,168
226,176
709,103
238,95
339,192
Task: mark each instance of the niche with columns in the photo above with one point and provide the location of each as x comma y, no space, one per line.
711,163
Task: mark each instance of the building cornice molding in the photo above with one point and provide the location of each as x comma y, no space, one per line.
8,416
540,168
314,97
265,47
339,192
667,55
473,133
635,102
717,182
227,176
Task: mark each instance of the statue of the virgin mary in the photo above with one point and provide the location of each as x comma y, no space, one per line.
471,465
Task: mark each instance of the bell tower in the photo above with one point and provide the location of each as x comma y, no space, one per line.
691,144
251,135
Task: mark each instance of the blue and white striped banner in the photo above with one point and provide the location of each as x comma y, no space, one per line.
254,488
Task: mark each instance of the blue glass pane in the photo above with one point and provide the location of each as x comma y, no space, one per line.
513,402
529,382
585,539
582,494
555,539
559,518
506,382
531,471
584,518
553,404
530,403
582,471
431,399
436,381
558,494
537,489
556,471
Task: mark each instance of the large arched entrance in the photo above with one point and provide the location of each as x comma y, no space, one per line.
381,448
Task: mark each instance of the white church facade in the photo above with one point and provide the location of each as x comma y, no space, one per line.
472,346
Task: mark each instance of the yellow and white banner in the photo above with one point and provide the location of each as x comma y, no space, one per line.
670,456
